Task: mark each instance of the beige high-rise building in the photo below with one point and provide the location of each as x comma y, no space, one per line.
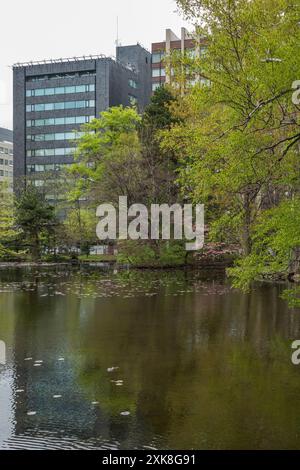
185,44
6,157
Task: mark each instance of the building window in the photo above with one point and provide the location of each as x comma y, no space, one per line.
155,86
57,76
157,57
203,51
59,121
62,90
155,73
132,83
191,53
59,106
133,100
158,73
48,167
58,152
54,136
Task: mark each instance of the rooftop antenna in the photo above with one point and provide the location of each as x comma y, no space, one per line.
117,42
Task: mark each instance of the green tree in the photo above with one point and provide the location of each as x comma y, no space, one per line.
109,158
80,228
36,217
8,231
238,139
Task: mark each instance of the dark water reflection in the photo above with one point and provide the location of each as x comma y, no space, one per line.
202,366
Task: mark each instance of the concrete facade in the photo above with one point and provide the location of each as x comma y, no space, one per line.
140,60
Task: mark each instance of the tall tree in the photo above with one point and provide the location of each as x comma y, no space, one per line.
109,158
36,217
238,141
8,231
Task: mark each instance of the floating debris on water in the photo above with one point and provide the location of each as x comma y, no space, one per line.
31,413
28,359
20,390
61,358
125,413
111,369
57,396
95,403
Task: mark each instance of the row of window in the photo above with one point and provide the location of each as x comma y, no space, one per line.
61,90
63,121
6,173
47,167
59,152
6,151
57,76
54,136
61,105
203,81
157,57
6,162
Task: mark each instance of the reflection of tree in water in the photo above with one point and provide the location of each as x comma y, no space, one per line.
201,371
202,366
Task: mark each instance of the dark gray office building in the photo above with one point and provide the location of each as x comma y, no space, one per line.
53,98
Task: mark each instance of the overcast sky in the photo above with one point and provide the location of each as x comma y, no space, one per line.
35,29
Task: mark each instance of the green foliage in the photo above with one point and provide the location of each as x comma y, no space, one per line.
8,230
80,228
35,217
274,238
136,253
237,141
108,156
164,254
172,253
158,114
292,296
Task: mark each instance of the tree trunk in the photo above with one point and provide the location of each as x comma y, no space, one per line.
294,265
246,239
35,252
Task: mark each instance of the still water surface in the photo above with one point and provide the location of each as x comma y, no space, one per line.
163,360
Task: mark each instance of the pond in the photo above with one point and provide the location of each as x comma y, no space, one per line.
104,359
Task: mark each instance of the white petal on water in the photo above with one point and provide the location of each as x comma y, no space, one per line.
125,413
61,358
31,413
57,396
95,403
37,365
20,390
38,362
111,369
28,359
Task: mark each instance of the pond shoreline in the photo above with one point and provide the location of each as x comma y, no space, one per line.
192,266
